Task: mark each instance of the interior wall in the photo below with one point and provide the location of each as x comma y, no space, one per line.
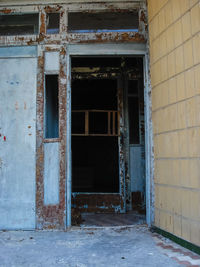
174,31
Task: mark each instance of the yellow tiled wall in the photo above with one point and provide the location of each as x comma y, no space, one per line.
174,32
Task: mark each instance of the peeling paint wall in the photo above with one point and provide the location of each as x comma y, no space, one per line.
54,215
175,70
17,137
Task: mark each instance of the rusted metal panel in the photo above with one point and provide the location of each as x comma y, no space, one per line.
104,37
51,216
39,140
17,141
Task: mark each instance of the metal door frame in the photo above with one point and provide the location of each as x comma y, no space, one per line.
133,49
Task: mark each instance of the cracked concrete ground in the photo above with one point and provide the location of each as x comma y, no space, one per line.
118,246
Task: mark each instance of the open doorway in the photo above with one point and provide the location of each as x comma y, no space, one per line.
107,134
95,136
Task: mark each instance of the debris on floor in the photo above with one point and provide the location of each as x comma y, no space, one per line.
76,217
82,247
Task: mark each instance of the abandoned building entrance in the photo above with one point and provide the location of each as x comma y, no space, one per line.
107,134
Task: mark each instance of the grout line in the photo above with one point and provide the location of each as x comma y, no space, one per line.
188,10
176,130
179,187
178,73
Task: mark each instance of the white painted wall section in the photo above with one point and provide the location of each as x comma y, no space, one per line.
17,141
51,173
52,61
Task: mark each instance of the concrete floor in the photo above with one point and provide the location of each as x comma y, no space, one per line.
82,247
112,219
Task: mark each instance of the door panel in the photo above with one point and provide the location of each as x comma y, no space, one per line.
136,169
17,142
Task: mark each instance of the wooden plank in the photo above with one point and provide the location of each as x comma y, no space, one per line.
86,122
113,130
109,123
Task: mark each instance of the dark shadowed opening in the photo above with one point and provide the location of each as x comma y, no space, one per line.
103,21
51,107
95,166
19,24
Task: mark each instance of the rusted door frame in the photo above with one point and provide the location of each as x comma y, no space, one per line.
133,49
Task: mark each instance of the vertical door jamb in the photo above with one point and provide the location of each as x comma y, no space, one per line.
148,124
148,140
68,146
120,92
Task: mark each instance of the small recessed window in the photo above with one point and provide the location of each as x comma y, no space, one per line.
51,107
103,21
53,23
19,24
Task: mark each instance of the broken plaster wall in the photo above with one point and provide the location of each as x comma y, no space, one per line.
54,215
174,31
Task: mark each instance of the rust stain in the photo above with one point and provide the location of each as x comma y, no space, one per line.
143,17
62,119
39,145
49,9
16,106
50,49
6,11
42,26
63,51
62,14
119,37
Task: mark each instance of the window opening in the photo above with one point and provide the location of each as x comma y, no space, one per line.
53,23
51,107
103,21
19,24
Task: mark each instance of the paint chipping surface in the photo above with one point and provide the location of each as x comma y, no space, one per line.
120,246
53,216
17,153
96,202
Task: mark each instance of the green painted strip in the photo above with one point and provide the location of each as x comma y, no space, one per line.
177,240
